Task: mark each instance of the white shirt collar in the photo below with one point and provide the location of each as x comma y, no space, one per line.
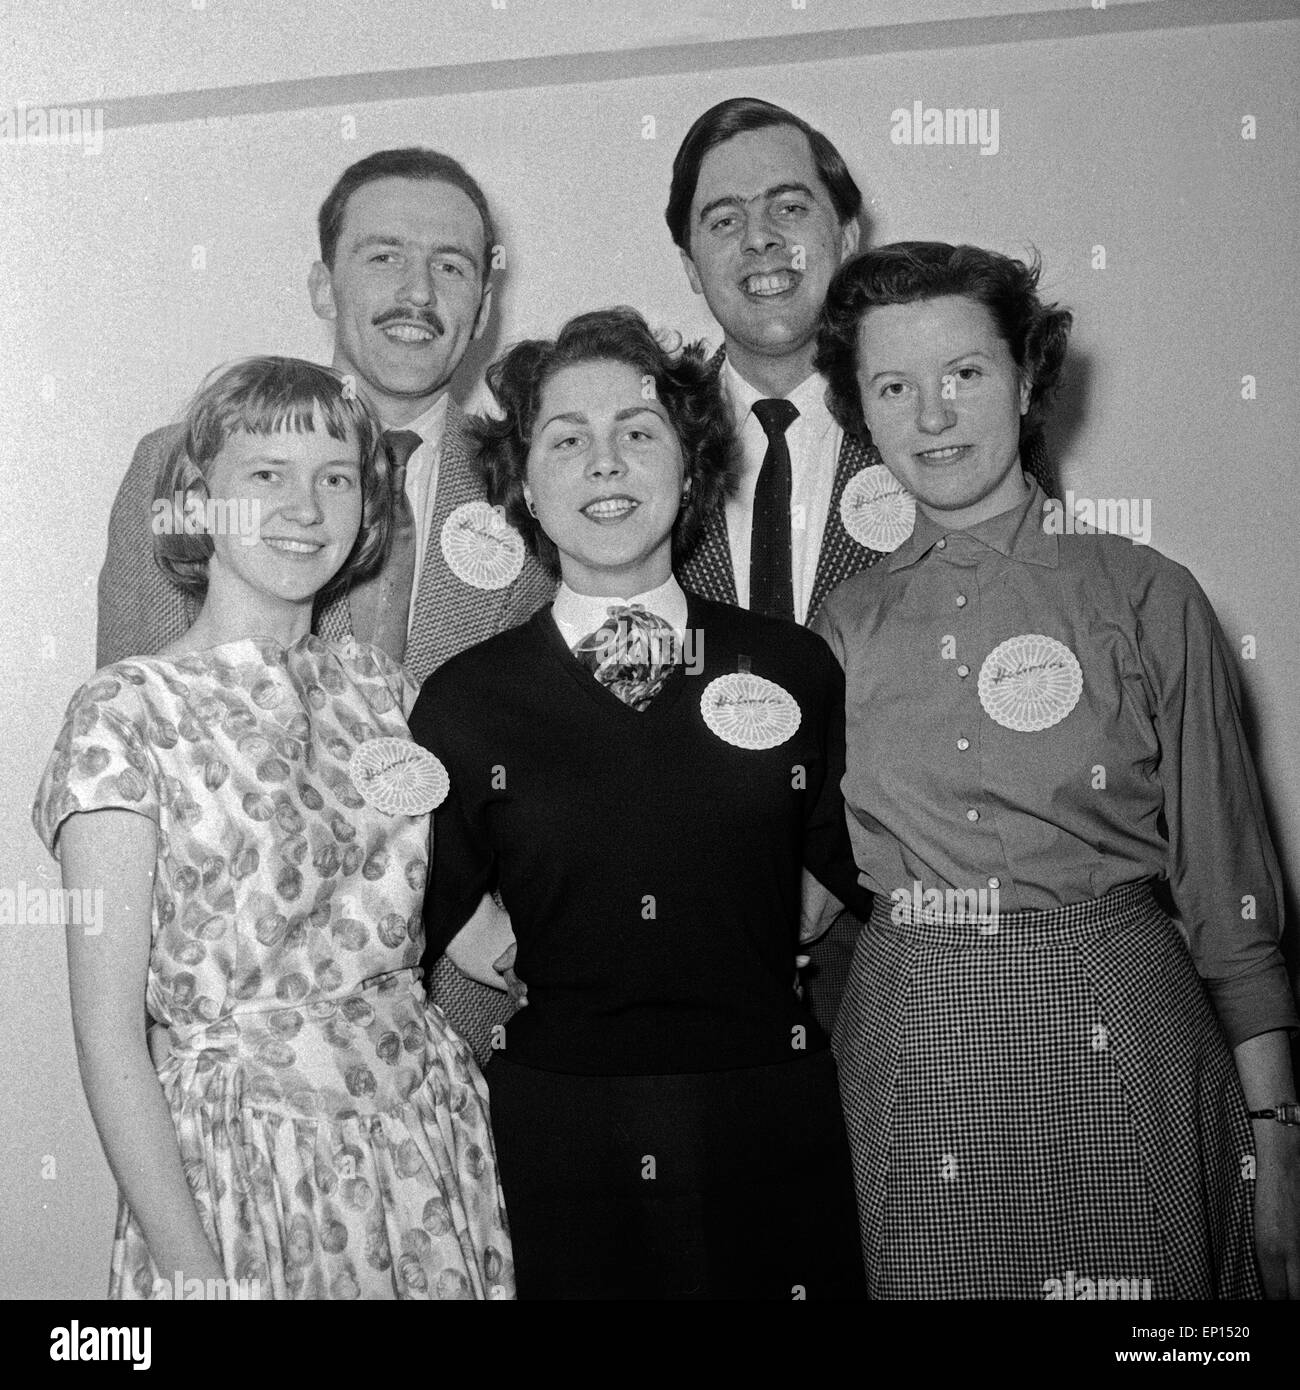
578,615
809,398
431,424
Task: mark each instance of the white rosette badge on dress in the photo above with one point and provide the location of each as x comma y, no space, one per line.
877,510
398,777
1030,682
481,547
749,712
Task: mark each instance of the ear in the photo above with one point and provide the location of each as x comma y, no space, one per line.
320,286
692,274
1026,391
484,313
850,233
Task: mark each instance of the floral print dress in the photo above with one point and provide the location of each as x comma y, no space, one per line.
333,1129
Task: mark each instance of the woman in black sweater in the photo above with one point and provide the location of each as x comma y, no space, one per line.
641,777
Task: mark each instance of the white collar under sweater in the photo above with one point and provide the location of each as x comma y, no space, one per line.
578,615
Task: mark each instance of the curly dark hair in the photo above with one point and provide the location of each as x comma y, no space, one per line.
909,271
686,384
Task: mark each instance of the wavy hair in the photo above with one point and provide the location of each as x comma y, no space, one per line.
907,272
686,383
734,117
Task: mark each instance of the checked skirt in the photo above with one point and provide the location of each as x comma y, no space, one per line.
1040,1104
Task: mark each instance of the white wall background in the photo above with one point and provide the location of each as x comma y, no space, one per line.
1119,127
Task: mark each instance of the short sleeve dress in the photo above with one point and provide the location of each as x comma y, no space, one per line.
333,1128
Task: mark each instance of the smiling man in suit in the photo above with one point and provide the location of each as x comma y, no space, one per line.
763,210
404,277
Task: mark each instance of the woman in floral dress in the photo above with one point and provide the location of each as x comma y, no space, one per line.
251,806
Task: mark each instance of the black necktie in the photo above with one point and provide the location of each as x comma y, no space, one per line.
771,586
381,603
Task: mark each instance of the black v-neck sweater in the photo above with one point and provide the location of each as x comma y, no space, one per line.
651,869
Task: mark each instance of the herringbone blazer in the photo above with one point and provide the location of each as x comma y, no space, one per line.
142,609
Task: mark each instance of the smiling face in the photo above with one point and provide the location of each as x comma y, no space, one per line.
406,293
764,243
604,477
306,488
943,400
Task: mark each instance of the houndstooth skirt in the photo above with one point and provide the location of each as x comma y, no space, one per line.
1043,1110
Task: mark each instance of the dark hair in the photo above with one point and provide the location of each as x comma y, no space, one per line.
732,117
413,162
909,271
685,382
261,395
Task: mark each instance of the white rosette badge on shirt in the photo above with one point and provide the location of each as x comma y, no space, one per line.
749,712
481,547
1030,682
398,777
877,510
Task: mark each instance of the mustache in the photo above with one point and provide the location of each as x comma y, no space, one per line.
427,318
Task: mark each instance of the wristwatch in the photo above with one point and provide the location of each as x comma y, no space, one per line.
1288,1113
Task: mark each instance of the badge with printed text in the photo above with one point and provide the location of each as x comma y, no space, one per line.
1030,682
749,712
398,777
877,510
481,547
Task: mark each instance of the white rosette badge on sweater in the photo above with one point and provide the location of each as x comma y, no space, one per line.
1030,682
749,712
398,777
481,547
877,510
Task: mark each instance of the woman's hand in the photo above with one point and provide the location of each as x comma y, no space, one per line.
1277,1207
1264,1065
485,941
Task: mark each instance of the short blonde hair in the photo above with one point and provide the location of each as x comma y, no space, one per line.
262,395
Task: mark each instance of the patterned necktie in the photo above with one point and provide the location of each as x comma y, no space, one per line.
380,604
771,585
632,653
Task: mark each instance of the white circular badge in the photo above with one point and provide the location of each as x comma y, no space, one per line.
398,777
481,547
748,711
876,509
1030,682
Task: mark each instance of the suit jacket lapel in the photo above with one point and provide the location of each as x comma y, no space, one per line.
450,615
708,572
841,557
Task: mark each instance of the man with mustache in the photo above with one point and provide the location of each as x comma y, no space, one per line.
763,210
406,251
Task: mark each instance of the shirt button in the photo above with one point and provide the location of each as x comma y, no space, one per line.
972,814
963,744
941,544
995,882
963,670
961,600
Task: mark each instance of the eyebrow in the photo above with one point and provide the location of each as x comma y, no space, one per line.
735,200
281,461
446,248
951,362
576,417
